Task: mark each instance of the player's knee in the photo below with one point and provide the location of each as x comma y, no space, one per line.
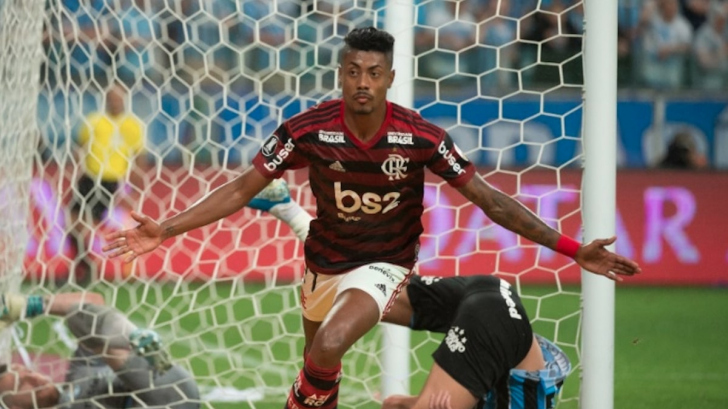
329,345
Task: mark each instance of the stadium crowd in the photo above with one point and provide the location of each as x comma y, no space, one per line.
663,44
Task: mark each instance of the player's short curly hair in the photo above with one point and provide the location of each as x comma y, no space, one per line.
369,39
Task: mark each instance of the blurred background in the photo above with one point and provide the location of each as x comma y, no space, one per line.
206,81
194,65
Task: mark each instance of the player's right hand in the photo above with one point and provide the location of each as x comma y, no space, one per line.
132,243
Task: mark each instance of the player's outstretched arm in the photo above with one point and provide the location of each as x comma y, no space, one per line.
62,304
15,307
220,203
514,216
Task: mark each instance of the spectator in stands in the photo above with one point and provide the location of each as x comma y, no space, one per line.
556,30
628,14
451,27
711,51
682,153
133,29
498,31
666,42
695,11
78,31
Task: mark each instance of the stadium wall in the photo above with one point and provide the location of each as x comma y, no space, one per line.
646,124
669,221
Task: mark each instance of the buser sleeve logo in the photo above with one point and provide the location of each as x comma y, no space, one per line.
282,154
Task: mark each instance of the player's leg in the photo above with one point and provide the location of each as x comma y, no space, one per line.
480,348
276,200
79,221
441,391
538,389
354,313
347,306
399,402
318,292
534,360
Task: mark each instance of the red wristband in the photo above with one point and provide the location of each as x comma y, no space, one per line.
567,246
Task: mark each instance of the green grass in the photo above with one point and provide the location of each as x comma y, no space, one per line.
671,348
671,343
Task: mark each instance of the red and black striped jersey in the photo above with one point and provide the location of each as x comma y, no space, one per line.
369,196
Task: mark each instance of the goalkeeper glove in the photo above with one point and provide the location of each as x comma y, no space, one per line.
148,344
14,307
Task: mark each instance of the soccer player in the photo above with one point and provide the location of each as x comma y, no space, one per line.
111,142
366,158
116,364
490,352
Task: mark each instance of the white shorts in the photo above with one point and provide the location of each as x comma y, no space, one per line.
382,281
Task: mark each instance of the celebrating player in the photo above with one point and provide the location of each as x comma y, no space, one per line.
367,160
490,352
116,364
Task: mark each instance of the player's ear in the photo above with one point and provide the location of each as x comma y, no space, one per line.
391,78
340,69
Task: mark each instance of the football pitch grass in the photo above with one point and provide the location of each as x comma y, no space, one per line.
671,344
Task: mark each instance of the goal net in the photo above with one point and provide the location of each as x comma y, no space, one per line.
202,83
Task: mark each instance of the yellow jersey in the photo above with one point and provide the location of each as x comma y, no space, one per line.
111,144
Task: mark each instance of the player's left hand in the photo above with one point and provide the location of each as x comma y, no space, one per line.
597,259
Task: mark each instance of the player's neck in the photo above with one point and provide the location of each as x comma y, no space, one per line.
364,127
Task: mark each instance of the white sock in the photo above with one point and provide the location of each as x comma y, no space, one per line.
294,216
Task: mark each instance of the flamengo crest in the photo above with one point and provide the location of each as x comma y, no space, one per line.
395,166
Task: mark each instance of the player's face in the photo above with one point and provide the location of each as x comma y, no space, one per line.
365,78
115,101
22,388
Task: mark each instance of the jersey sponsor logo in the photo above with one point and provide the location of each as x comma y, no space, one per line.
278,159
450,158
456,339
400,138
331,137
346,218
269,147
505,290
369,202
337,167
395,166
383,271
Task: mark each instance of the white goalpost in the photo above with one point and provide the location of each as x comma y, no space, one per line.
20,42
599,196
400,23
209,80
